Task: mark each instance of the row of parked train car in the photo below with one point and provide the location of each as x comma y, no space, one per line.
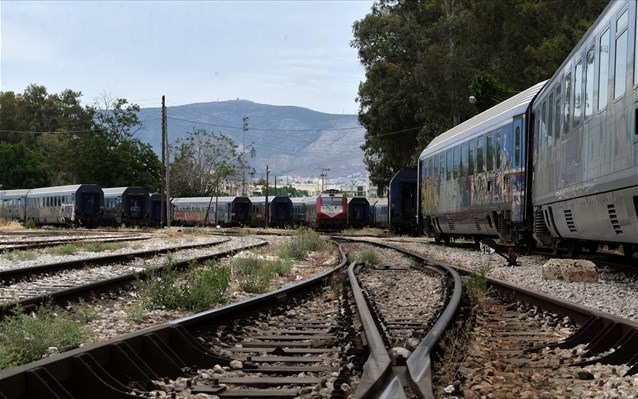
89,205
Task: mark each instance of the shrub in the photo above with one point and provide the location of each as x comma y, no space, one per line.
370,257
301,244
201,288
476,283
104,246
250,275
206,286
21,255
68,249
84,311
30,224
25,338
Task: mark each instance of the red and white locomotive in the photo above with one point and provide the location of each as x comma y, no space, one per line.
328,211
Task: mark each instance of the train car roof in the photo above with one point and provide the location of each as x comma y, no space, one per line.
200,200
63,189
378,201
7,194
122,190
358,199
486,120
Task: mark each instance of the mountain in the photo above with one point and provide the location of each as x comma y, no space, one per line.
292,141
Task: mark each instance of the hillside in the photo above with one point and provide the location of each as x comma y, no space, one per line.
291,140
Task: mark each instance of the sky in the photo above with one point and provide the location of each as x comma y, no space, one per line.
292,52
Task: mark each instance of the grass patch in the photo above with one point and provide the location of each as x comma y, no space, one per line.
200,287
476,283
254,275
370,258
67,249
103,246
10,225
84,311
21,255
25,338
30,224
304,242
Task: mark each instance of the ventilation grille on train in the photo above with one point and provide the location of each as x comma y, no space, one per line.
539,223
450,223
478,225
569,218
613,218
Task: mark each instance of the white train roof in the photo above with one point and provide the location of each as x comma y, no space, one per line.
485,121
58,190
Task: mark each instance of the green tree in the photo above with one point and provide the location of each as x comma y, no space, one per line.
21,167
424,58
203,161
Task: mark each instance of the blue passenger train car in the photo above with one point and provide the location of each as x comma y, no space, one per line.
77,205
585,190
474,178
358,212
402,197
13,205
125,205
379,215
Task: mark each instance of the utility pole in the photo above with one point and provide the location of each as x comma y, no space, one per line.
167,170
243,180
267,205
163,169
324,178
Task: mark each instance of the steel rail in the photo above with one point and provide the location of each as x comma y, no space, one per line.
111,369
419,364
53,243
609,339
19,273
62,296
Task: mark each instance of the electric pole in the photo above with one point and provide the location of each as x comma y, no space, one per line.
163,169
267,205
243,180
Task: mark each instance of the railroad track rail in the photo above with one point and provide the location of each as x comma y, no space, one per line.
66,287
199,353
22,245
598,338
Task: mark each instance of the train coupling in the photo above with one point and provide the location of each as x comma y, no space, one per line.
510,256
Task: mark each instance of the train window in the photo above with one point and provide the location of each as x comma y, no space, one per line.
463,162
603,74
479,154
430,171
620,76
578,91
470,158
442,167
589,83
542,132
449,165
550,118
568,102
435,171
557,112
489,158
498,149
457,161
517,146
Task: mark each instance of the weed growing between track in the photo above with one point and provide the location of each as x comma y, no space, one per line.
28,337
300,245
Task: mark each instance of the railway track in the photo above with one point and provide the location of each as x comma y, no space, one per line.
23,245
337,345
47,283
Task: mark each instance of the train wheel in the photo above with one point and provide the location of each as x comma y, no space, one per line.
446,240
573,248
629,250
592,247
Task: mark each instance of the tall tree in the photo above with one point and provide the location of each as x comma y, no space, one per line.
21,167
424,58
203,161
